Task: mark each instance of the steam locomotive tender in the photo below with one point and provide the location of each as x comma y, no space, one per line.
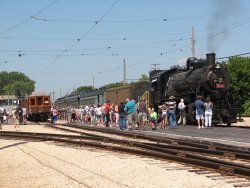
199,77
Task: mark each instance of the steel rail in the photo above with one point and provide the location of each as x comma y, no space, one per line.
219,165
161,153
187,142
173,145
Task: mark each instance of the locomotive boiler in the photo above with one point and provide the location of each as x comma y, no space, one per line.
199,77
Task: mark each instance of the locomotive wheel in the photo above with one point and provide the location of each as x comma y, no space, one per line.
191,120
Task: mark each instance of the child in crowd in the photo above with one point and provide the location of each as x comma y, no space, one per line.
153,119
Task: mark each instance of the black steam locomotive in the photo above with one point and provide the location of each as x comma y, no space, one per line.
199,77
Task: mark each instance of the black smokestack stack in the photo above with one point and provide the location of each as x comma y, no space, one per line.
211,59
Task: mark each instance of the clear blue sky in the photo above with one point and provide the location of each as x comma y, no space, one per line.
64,44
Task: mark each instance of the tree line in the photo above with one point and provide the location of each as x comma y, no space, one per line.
11,81
239,69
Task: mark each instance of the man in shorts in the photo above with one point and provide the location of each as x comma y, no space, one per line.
199,105
130,109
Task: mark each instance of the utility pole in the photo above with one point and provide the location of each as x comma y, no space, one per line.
93,82
154,66
193,43
53,97
124,72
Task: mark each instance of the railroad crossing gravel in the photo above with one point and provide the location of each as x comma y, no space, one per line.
47,164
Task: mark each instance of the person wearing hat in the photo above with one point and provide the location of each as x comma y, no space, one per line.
171,111
181,107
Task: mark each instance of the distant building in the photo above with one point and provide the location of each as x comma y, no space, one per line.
8,102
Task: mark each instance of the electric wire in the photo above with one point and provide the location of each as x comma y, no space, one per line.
137,21
28,19
235,25
154,57
211,35
242,54
82,37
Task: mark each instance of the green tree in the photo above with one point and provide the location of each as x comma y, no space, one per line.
247,108
83,88
143,78
3,80
113,85
11,81
239,69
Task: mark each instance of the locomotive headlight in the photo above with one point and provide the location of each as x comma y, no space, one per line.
220,80
217,66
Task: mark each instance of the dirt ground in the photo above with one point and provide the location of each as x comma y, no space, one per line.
244,122
48,164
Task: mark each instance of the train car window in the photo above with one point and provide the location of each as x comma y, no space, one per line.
3,102
39,101
32,102
46,101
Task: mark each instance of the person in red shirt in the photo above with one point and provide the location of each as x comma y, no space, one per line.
106,111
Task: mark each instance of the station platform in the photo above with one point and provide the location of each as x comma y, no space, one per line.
233,135
224,135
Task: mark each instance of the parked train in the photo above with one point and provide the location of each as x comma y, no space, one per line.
38,107
199,77
99,96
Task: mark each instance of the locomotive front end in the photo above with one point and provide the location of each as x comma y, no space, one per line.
217,79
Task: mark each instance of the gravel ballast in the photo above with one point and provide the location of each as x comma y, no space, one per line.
48,164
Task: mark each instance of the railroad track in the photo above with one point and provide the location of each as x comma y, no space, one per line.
205,144
156,148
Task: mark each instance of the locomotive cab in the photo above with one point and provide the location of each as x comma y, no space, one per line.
194,63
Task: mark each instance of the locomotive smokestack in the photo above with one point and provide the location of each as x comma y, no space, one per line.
211,59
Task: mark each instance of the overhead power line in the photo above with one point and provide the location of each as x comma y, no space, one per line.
234,55
94,39
28,19
138,20
124,47
82,37
233,26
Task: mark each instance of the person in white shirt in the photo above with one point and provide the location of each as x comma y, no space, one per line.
24,115
208,112
181,107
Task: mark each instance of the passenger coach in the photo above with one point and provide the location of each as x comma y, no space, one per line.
38,107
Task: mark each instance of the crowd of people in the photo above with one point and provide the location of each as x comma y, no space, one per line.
126,115
16,116
129,115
